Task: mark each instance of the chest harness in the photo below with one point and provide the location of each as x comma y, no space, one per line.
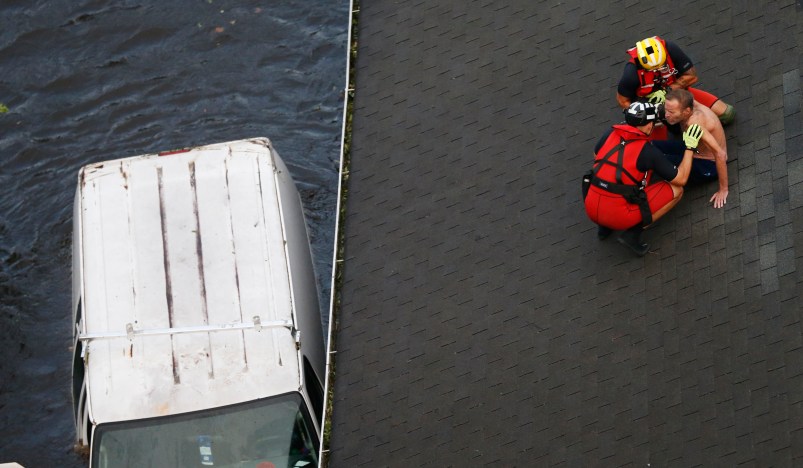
653,80
634,193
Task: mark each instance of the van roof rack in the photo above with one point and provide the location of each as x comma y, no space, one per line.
130,332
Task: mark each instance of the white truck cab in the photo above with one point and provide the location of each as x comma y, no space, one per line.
198,338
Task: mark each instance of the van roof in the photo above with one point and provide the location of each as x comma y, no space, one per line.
189,242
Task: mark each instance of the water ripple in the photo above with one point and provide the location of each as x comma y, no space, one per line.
88,80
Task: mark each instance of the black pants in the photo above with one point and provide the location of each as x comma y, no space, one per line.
702,170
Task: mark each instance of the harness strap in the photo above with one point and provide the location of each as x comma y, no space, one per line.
633,193
644,207
619,189
618,150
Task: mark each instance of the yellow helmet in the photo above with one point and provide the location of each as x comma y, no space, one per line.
651,53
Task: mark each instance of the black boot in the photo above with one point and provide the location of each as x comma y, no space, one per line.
632,240
603,232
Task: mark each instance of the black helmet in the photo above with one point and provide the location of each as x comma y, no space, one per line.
640,113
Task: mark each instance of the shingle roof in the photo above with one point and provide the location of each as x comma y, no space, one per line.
481,321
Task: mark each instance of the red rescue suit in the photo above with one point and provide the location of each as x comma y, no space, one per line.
653,80
603,204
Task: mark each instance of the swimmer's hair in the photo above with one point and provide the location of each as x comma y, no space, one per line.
682,96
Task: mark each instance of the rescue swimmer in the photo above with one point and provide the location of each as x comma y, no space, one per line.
620,194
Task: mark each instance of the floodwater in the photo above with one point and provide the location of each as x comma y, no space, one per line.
86,81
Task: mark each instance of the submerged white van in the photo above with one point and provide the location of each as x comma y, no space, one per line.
198,338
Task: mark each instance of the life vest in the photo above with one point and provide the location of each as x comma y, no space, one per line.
653,80
617,166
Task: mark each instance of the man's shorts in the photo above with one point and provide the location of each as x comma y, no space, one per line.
614,212
702,170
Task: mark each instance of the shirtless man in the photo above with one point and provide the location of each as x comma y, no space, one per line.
709,164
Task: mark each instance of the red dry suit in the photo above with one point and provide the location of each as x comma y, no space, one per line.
620,195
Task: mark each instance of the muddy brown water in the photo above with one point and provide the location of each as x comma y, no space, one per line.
85,81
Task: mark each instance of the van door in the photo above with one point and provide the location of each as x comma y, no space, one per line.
314,390
80,409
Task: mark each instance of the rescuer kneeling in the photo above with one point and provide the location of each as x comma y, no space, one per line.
621,196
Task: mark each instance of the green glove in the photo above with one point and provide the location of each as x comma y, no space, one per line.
692,136
657,97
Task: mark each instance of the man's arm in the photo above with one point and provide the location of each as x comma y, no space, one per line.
623,101
686,79
652,158
720,159
628,84
683,170
687,74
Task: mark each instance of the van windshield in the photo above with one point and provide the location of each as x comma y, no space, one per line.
274,432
